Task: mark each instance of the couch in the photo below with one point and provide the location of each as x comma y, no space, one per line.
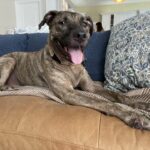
34,123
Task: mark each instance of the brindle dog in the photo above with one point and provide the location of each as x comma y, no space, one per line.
58,66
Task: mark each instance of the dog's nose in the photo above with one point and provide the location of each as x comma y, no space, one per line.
81,35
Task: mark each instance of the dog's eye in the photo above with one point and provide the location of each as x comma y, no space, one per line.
61,22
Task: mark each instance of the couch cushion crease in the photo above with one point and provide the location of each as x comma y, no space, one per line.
30,138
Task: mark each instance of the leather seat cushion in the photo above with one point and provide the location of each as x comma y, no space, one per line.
33,123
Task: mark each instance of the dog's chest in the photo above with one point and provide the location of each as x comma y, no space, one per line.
71,73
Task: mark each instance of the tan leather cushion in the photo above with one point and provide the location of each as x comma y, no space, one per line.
33,123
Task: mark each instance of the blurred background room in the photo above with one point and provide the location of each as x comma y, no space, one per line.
21,16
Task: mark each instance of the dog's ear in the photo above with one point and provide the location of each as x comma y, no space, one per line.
88,18
48,18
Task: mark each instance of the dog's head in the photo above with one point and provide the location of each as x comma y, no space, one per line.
71,30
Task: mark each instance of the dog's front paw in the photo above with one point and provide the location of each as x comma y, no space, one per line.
6,88
2,88
136,123
139,121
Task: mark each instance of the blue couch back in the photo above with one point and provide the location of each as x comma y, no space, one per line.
94,52
22,42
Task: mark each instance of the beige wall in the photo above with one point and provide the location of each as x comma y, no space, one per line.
7,15
95,11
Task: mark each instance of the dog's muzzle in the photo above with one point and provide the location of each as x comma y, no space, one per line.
76,46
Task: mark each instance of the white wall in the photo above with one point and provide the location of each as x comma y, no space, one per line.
51,5
56,5
29,12
7,15
118,17
25,13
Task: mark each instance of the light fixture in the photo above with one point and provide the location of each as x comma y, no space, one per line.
118,1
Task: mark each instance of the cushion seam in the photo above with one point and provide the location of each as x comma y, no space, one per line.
46,139
99,130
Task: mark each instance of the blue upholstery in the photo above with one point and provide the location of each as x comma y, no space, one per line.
36,41
11,43
95,55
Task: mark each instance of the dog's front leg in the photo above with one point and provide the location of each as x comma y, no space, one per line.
121,98
7,64
63,89
87,84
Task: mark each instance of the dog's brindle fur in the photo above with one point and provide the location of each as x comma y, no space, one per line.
52,67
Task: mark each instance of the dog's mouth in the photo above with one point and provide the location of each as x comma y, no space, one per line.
76,55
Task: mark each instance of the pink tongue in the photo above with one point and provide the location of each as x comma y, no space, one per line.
76,56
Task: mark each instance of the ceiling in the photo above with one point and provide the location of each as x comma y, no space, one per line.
101,2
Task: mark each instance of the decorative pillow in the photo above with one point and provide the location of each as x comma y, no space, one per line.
127,64
95,55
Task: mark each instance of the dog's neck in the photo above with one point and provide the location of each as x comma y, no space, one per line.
56,53
54,57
